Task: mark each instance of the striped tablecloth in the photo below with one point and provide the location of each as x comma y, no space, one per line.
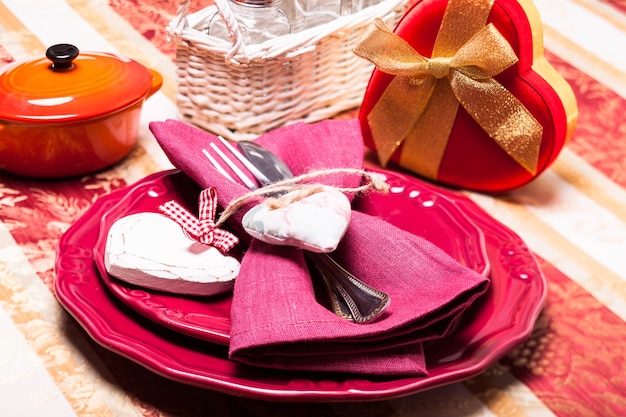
573,217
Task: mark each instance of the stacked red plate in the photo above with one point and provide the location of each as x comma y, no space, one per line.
186,338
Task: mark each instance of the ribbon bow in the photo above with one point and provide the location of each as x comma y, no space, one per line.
202,228
420,104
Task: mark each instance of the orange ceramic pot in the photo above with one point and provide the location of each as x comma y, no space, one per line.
70,113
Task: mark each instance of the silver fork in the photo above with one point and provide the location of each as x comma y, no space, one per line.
350,298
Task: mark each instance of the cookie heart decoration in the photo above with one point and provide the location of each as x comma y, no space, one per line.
463,95
311,219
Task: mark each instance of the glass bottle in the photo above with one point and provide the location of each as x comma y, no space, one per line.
311,13
259,20
363,4
349,7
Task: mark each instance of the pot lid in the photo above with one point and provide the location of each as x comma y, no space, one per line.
67,86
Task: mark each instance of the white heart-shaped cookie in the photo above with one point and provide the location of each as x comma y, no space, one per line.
315,223
152,251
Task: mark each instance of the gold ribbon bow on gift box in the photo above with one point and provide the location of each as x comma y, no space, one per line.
419,106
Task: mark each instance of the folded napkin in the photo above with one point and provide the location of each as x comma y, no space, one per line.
276,320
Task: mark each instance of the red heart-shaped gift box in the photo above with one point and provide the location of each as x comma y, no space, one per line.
470,158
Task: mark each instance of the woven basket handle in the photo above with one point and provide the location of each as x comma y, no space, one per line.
179,23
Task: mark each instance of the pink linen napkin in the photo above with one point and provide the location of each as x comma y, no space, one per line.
276,320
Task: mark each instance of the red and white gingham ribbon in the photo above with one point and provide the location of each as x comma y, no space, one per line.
202,228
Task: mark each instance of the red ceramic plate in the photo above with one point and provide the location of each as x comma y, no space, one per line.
501,319
209,318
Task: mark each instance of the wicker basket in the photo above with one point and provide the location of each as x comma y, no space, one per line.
241,91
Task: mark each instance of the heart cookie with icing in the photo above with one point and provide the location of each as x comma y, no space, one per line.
152,251
463,95
315,222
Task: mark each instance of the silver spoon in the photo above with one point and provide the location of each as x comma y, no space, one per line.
350,297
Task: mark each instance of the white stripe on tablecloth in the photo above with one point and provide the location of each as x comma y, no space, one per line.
40,320
26,389
586,28
586,242
66,26
589,35
591,182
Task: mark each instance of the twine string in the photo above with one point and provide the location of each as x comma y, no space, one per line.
372,181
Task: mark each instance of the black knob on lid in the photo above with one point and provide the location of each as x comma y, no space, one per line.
62,56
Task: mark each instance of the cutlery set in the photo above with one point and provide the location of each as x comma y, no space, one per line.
350,298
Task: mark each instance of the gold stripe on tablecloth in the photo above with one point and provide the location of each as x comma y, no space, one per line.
46,335
604,10
589,181
544,240
584,60
500,401
13,26
127,40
